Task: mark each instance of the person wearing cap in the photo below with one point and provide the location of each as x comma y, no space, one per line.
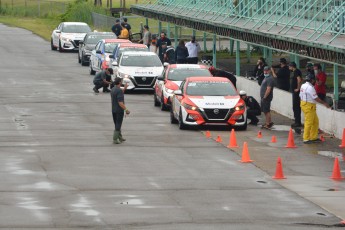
193,51
296,82
103,79
118,109
128,27
221,73
116,28
309,99
147,37
266,94
258,72
309,68
124,32
253,107
282,76
320,84
159,42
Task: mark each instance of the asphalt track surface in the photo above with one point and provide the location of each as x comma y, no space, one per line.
60,170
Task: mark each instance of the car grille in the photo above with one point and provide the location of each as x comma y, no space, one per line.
76,42
216,114
144,80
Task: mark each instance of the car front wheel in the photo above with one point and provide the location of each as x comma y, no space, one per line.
60,48
173,120
181,125
52,45
156,102
92,72
163,106
83,62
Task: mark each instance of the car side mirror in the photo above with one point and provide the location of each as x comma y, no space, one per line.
178,92
57,31
114,63
98,52
111,56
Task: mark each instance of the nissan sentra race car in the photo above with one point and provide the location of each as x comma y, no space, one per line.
208,101
171,80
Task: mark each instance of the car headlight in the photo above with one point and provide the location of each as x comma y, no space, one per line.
123,75
65,39
239,107
169,90
189,107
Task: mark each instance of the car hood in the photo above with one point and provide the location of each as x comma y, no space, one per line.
209,102
90,46
73,36
174,85
142,71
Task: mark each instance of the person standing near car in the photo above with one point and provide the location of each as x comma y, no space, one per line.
117,28
320,84
147,38
168,53
118,109
296,82
282,76
266,94
193,51
128,27
181,53
103,79
124,32
159,43
221,73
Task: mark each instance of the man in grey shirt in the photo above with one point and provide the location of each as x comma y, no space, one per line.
146,36
266,94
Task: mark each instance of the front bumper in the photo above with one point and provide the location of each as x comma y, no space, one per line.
140,82
70,45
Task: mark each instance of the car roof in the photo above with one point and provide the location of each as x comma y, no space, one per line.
124,45
100,33
137,53
187,66
75,23
205,79
116,40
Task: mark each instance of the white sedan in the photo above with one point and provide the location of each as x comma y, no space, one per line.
68,35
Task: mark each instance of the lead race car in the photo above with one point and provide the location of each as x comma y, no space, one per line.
204,101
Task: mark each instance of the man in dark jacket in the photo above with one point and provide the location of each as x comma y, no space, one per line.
159,43
282,76
117,28
253,108
168,53
221,73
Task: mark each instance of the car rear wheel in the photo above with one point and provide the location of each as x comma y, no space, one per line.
92,72
181,125
51,45
83,62
79,60
163,106
60,48
156,102
173,120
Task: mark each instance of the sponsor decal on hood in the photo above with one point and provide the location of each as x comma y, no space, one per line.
74,36
209,102
140,71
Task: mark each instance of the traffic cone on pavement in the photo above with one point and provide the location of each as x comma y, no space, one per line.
245,154
259,134
336,175
232,141
208,134
279,170
274,139
322,138
343,140
219,139
291,141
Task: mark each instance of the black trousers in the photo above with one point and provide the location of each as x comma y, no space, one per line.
118,119
192,60
296,107
252,113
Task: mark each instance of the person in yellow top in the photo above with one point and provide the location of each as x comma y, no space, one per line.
124,32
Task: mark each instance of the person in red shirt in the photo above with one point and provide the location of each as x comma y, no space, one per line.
320,84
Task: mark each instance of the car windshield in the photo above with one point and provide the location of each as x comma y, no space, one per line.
93,39
76,29
208,88
141,60
130,49
109,47
180,74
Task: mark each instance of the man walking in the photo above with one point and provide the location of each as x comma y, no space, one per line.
118,109
193,50
159,44
117,28
296,82
253,107
266,94
309,98
103,79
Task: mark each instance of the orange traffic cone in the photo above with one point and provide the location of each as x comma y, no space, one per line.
279,170
219,139
245,154
232,141
274,139
291,142
259,134
322,138
336,175
343,140
208,134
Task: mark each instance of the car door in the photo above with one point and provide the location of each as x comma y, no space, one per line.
177,100
100,56
93,58
82,46
160,84
56,35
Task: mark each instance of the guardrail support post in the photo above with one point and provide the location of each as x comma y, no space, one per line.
176,36
238,58
214,61
205,45
336,85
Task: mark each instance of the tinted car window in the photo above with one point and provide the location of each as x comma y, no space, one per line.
93,39
76,29
211,89
143,61
130,49
109,47
183,73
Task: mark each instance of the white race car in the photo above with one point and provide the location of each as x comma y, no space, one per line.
68,35
208,101
139,69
